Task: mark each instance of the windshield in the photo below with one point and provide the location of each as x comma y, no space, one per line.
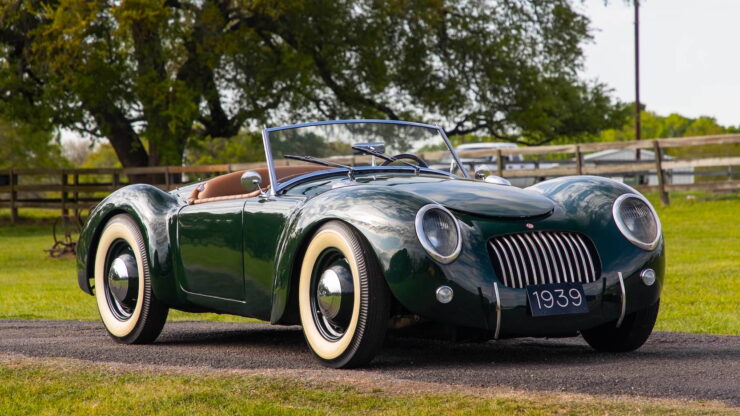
352,143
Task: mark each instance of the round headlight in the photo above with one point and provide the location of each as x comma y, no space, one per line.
637,220
438,233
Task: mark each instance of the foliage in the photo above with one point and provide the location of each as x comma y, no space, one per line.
103,156
172,70
25,146
243,148
673,125
699,233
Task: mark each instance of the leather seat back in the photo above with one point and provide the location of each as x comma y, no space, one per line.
229,185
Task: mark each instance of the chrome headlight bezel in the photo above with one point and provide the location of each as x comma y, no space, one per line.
616,214
424,240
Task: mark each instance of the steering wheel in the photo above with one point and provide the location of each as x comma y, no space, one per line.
415,158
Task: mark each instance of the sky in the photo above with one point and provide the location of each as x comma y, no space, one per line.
689,63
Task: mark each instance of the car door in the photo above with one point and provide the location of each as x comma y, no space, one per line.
211,249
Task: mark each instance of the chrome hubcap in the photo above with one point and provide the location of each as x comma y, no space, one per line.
122,282
333,296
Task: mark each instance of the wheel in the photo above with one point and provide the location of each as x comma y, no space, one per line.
415,158
342,297
635,330
128,308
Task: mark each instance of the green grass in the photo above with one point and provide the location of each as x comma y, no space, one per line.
701,293
702,286
36,286
60,387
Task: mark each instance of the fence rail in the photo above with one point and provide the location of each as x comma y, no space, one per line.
80,188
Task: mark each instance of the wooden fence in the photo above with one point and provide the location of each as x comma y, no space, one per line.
82,189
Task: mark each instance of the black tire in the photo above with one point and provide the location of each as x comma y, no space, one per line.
634,331
354,340
123,288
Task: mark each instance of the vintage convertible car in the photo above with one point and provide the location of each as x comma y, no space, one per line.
348,232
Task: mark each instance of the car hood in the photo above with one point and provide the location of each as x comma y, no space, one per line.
481,198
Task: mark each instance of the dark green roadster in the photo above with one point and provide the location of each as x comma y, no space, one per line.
354,227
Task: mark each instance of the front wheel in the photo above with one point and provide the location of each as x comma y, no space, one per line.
634,331
123,288
342,297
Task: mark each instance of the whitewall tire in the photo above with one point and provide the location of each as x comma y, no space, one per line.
342,297
128,308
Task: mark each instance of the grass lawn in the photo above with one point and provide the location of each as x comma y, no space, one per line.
49,387
36,286
702,290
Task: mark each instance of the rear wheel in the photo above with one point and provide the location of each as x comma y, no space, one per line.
634,331
343,298
128,308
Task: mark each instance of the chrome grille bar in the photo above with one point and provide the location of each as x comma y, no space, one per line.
542,257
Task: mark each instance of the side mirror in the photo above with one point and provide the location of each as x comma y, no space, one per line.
482,174
486,176
251,181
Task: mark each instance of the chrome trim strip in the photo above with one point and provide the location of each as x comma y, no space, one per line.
454,153
498,311
624,300
552,256
562,262
270,162
521,260
626,232
575,256
531,258
561,247
421,235
518,272
325,122
508,263
501,262
536,238
588,254
530,243
587,278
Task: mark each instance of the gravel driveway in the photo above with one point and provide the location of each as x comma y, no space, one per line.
669,365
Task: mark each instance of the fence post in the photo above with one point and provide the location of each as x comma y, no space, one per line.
65,211
167,178
659,172
499,163
13,197
579,161
116,180
76,194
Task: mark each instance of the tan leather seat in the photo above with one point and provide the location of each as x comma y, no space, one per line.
229,186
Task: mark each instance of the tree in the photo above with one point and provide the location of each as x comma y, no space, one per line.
163,72
26,146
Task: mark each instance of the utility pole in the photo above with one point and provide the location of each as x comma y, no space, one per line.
638,132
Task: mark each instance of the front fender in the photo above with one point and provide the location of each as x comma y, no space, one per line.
384,217
155,213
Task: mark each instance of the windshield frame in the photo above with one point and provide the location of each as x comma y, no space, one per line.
274,190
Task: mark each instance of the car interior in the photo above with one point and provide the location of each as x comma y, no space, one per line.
228,186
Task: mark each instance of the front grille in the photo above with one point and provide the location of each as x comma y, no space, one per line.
541,257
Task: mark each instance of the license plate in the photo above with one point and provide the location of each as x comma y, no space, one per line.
557,299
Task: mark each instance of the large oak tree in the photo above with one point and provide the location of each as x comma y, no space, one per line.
161,72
